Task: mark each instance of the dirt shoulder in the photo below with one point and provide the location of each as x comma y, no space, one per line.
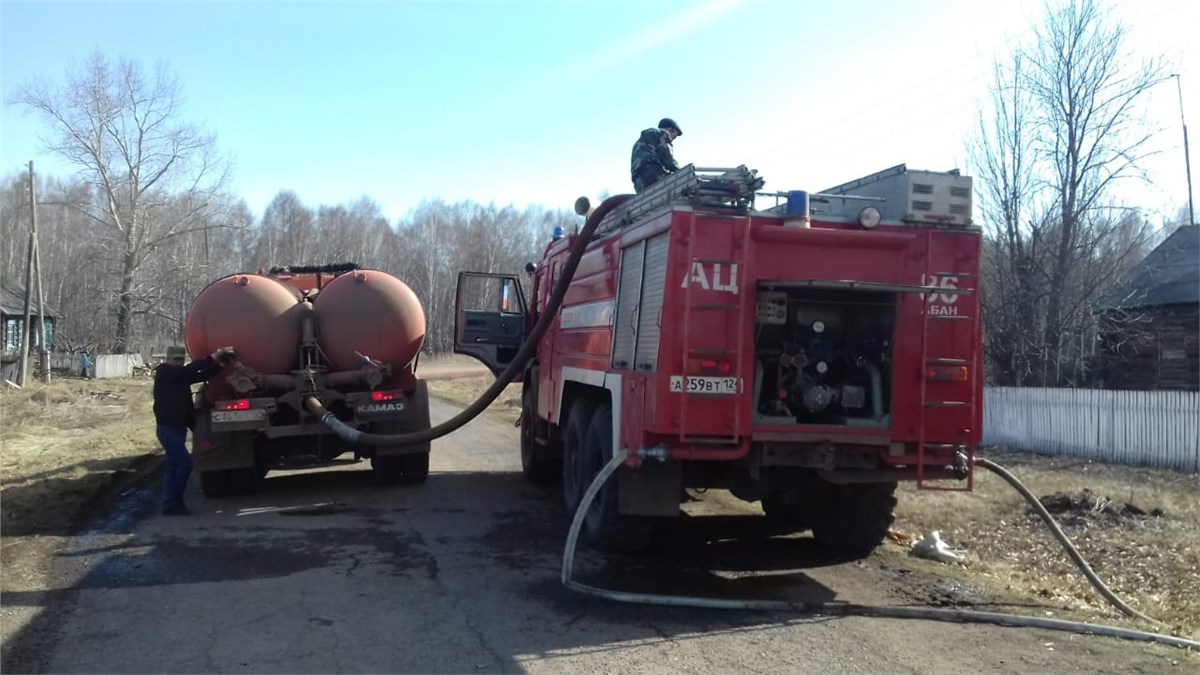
1136,527
65,446
464,390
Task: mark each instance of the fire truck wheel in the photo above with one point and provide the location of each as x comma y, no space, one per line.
575,477
856,518
414,468
387,469
605,527
215,483
789,509
537,466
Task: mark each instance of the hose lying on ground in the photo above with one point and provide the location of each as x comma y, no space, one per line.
1062,539
833,608
515,368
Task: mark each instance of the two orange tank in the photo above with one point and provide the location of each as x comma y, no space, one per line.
262,316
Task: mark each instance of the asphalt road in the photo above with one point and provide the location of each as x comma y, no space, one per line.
325,572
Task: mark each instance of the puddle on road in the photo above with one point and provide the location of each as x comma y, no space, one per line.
132,506
259,552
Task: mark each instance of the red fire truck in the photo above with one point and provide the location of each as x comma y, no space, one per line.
808,355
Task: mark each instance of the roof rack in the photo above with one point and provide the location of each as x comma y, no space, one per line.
698,187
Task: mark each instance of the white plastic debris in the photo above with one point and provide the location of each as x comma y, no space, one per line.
934,548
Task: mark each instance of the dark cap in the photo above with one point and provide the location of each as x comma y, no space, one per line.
668,123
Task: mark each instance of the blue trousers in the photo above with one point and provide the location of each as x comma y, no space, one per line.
178,466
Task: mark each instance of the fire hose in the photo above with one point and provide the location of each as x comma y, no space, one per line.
506,377
838,609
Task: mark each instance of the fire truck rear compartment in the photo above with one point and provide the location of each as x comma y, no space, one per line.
823,357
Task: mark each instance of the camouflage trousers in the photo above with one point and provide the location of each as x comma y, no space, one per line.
646,176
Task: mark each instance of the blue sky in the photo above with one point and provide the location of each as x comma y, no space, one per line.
540,102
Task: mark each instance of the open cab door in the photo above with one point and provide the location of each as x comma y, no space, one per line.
489,318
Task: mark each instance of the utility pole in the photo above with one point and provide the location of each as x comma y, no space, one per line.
43,353
1187,158
26,328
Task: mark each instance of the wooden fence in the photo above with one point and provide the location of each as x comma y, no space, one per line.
1139,428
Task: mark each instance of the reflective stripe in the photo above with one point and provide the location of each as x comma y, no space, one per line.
590,315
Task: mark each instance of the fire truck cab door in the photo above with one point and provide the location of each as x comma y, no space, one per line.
489,318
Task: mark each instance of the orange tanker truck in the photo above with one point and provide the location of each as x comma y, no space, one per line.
345,336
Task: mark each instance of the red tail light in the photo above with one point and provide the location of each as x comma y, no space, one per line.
386,395
241,404
709,366
948,374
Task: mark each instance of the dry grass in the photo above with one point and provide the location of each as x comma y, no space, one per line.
465,390
448,361
1153,563
62,443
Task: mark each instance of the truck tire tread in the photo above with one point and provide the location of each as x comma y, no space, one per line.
579,416
215,483
387,469
414,468
605,527
856,519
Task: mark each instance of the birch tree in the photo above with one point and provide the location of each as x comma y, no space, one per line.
124,130
1064,128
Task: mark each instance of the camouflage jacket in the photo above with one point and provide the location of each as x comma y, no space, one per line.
653,147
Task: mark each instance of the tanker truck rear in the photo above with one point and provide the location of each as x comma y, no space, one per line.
349,337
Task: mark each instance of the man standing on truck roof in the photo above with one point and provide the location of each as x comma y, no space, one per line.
174,414
653,155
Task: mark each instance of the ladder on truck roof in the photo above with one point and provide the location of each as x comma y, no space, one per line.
965,450
698,187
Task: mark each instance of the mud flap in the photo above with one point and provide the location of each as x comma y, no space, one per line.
650,490
414,418
224,450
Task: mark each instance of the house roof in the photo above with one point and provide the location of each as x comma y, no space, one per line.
1170,275
12,302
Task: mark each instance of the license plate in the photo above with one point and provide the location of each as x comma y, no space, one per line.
238,415
701,384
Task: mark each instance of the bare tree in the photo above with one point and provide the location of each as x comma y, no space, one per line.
1065,128
124,131
286,232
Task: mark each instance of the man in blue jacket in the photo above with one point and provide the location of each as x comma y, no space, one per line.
174,414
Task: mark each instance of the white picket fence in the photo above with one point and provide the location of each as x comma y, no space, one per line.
116,365
1139,428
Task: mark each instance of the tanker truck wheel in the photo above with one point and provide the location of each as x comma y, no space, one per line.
387,469
246,480
414,468
856,517
408,469
216,483
604,526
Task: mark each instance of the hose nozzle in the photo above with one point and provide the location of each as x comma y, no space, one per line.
658,452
